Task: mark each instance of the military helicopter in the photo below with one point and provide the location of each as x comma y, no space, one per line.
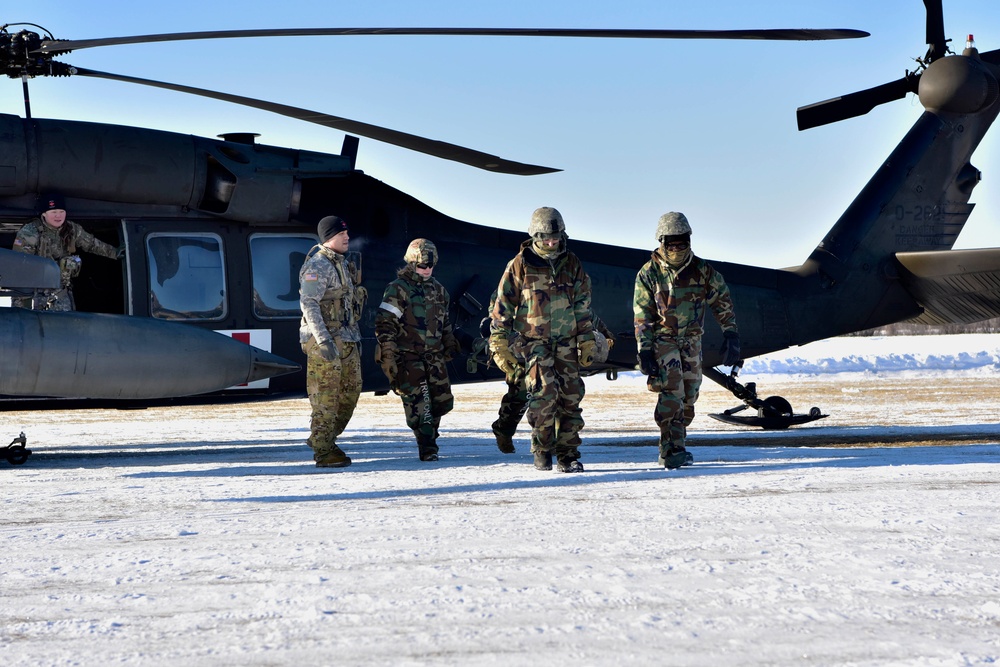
216,230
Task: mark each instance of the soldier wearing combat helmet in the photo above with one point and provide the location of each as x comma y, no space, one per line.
52,235
415,342
672,290
332,300
514,403
544,297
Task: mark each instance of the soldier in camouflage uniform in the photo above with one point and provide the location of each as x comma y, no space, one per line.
415,341
332,300
514,403
544,297
52,235
672,291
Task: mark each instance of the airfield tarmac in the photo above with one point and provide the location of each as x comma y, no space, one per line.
862,410
898,409
204,536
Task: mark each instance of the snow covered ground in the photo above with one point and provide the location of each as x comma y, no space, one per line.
204,536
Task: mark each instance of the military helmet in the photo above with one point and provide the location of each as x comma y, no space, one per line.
672,224
546,220
421,251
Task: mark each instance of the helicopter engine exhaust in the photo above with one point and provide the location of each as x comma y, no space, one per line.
118,171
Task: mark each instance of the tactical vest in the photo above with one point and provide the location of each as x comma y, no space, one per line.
343,305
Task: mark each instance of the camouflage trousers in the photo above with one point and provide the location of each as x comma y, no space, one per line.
424,386
552,378
60,300
334,388
678,381
513,405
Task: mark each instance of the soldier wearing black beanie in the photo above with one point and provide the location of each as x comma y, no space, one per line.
329,227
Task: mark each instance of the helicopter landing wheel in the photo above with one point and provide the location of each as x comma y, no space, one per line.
17,455
776,413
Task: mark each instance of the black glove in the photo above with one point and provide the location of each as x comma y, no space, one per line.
647,363
730,349
465,342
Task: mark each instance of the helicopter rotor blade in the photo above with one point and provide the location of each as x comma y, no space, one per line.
937,44
433,147
854,104
863,101
58,46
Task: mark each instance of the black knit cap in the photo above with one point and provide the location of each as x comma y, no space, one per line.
329,227
50,202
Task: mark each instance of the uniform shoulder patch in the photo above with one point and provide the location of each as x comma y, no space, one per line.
310,276
18,242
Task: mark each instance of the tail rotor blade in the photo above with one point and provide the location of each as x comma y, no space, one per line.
937,44
854,104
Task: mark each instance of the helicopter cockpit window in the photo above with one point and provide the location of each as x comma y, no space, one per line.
187,279
275,260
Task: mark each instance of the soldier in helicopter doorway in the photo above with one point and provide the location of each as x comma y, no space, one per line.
52,235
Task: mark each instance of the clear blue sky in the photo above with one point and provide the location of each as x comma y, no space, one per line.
640,127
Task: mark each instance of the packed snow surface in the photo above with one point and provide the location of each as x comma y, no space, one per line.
205,536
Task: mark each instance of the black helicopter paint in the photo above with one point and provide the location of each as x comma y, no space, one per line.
215,230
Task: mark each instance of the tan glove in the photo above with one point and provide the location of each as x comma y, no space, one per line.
385,356
69,268
588,351
504,358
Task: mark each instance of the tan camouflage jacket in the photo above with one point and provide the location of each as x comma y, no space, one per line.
414,315
331,298
542,300
37,238
673,303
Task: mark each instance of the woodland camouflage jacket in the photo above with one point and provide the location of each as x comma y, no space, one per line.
673,303
414,315
543,300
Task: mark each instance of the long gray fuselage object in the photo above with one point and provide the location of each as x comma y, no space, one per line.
93,355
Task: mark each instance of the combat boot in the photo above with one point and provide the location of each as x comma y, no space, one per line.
505,443
427,448
543,460
335,458
570,465
673,456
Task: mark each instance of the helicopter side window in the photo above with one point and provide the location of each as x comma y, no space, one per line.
186,277
275,261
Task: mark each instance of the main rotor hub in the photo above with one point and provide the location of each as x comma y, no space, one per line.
19,56
958,84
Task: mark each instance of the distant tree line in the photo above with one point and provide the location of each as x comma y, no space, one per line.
910,328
